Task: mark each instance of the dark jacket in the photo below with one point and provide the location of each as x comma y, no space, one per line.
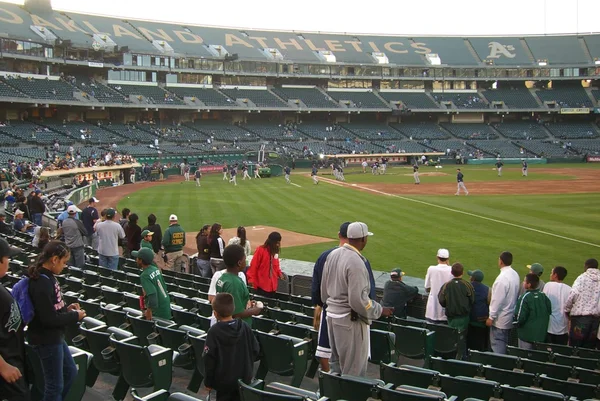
215,248
51,315
133,233
229,355
36,205
481,308
157,237
457,296
396,294
203,248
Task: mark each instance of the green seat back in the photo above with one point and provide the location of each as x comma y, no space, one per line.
337,387
263,324
455,367
249,393
413,342
383,349
283,355
588,376
78,387
184,317
541,356
97,339
197,343
465,387
410,321
447,340
390,394
509,377
114,317
171,337
560,372
112,297
134,364
505,362
398,376
580,391
585,363
141,328
529,394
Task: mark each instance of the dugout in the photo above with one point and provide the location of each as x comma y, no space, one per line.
393,158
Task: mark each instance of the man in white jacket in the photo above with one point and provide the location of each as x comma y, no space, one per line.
583,307
505,292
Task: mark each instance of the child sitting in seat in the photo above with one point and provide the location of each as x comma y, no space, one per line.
230,351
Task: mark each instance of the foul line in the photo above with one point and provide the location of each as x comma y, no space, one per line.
330,181
296,185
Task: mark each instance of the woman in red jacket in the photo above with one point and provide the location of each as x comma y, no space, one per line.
264,271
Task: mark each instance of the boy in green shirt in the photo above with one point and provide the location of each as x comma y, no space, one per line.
147,239
234,258
532,313
156,296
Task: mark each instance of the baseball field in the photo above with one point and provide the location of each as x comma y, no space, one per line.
551,217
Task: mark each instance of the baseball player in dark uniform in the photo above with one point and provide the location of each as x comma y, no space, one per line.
313,174
198,175
499,165
524,168
233,175
225,172
460,183
245,173
416,174
287,172
384,161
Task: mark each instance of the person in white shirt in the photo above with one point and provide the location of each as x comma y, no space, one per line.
436,277
505,292
558,292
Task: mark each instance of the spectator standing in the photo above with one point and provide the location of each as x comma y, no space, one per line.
46,331
124,221
532,313
109,232
157,302
216,245
203,261
173,243
37,207
157,230
265,271
240,239
583,307
505,292
558,293
435,278
457,297
89,216
478,336
61,217
538,270
133,233
229,352
345,287
13,385
146,239
396,293
74,233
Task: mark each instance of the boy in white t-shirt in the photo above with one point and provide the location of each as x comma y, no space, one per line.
436,277
558,292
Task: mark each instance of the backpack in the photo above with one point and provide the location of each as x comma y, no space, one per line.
20,293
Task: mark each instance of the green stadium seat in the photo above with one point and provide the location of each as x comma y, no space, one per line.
581,391
112,296
283,355
286,389
529,394
410,321
588,353
263,324
588,376
506,362
92,291
549,369
336,387
160,395
183,317
413,342
92,308
307,333
455,367
449,341
409,393
390,373
465,387
585,363
541,356
511,378
142,328
149,366
197,344
256,392
383,349
290,306
114,315
381,325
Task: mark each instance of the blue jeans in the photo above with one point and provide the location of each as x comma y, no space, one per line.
203,268
37,219
77,257
59,370
499,339
111,262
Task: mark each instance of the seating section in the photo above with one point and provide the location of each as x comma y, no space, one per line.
455,145
497,148
42,88
418,131
471,131
210,97
546,148
97,134
310,96
566,97
461,100
322,131
596,94
274,132
99,91
152,94
520,98
410,99
522,130
373,132
573,130
585,145
357,146
223,132
8,91
362,100
260,97
404,146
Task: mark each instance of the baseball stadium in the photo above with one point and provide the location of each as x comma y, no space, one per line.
466,145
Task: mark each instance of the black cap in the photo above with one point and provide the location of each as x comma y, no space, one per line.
7,250
344,229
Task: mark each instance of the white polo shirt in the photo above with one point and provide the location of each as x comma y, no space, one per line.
436,277
558,294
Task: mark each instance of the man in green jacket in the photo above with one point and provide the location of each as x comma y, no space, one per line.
532,313
173,243
157,302
457,296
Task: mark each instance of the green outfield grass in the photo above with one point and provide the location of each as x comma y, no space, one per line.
407,233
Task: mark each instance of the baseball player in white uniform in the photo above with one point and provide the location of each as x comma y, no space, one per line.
364,166
256,173
416,174
245,173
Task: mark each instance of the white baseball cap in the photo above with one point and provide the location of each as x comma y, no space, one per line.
19,211
443,253
358,230
173,217
73,209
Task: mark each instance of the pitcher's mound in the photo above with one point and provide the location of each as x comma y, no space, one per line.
258,234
